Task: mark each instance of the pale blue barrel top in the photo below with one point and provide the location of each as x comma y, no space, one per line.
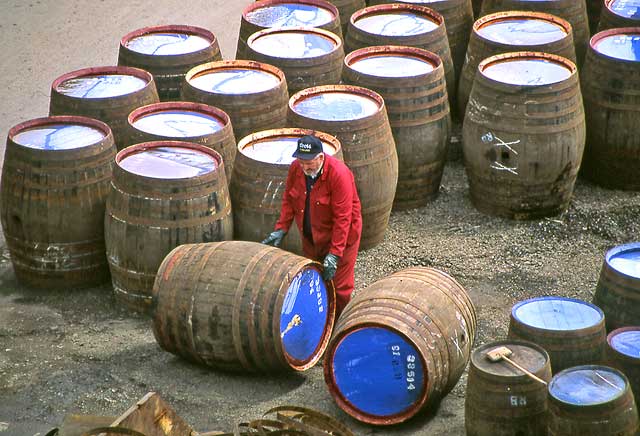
337,106
522,31
625,259
169,163
305,316
396,24
526,72
235,81
177,123
294,44
587,385
392,65
289,15
627,342
623,46
167,43
101,85
557,313
626,8
277,150
378,371
60,136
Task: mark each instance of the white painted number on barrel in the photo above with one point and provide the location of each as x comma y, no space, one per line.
518,401
411,366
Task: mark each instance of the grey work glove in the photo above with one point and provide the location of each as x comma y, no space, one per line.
274,238
330,265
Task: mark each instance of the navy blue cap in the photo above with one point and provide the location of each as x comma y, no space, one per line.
308,147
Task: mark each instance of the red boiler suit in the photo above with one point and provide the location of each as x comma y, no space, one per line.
336,219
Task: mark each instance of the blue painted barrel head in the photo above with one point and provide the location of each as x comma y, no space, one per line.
626,341
522,31
278,149
378,371
626,8
101,85
235,81
337,106
59,136
527,72
392,65
620,46
557,313
289,15
174,123
625,259
587,385
396,24
304,319
169,163
167,43
294,44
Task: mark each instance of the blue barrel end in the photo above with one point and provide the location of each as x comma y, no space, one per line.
557,313
304,319
625,259
378,372
626,341
587,385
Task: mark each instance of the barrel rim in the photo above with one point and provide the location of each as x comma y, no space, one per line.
608,3
236,64
583,367
146,110
506,15
554,297
379,50
144,146
632,246
612,32
617,352
179,28
350,408
562,61
393,7
353,89
506,342
286,132
267,3
337,41
107,69
59,119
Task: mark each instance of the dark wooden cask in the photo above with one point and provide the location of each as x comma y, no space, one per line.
619,13
347,8
623,353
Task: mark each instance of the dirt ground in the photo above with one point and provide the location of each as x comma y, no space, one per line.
78,352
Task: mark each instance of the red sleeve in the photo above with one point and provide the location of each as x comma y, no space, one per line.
286,209
342,207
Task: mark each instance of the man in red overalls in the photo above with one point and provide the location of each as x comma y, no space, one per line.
320,194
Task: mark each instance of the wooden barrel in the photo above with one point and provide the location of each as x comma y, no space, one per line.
347,8
523,135
610,81
358,118
618,289
574,11
594,11
268,14
168,52
500,399
623,353
185,121
163,194
477,8
503,32
254,95
270,311
307,56
619,13
406,25
108,94
591,400
55,181
400,346
411,81
571,331
259,179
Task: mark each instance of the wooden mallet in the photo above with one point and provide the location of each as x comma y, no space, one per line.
503,353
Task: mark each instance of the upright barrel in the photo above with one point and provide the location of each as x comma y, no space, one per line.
168,52
591,400
594,11
108,94
574,11
185,121
269,14
523,134
258,182
55,181
412,83
307,56
571,331
619,13
623,353
501,400
254,95
618,289
610,81
269,311
347,8
358,118
400,345
504,32
163,194
406,25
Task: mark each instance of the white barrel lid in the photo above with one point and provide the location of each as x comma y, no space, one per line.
278,149
392,65
61,136
167,43
587,385
396,24
557,313
336,106
294,44
235,81
169,163
101,85
178,123
522,31
624,46
527,72
289,15
626,8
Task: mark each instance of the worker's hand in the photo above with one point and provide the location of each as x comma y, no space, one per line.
274,238
330,265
